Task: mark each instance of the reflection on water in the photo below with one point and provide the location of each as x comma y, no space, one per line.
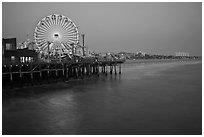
160,98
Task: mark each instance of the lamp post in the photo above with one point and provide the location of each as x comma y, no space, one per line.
48,44
83,35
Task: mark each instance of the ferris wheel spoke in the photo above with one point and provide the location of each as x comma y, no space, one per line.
68,23
72,27
71,40
53,17
59,18
67,46
39,33
41,29
43,46
40,37
68,27
69,43
55,20
65,21
71,33
47,19
62,21
72,37
51,20
62,46
43,24
72,30
44,28
47,24
65,25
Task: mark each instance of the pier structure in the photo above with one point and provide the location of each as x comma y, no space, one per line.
58,56
24,74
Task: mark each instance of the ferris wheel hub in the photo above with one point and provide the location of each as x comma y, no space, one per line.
56,35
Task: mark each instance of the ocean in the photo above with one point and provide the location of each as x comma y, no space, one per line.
148,98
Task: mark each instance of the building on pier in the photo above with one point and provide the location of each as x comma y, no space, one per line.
12,55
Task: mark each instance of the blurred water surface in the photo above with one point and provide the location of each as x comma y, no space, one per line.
148,98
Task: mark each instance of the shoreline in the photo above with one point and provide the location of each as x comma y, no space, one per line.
160,60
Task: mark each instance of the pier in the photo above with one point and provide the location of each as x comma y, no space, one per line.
29,74
56,57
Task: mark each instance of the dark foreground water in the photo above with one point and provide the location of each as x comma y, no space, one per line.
148,98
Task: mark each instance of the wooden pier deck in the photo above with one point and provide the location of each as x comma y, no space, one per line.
19,75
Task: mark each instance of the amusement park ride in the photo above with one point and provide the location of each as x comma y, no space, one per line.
57,37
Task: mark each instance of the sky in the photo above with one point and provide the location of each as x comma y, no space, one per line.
154,28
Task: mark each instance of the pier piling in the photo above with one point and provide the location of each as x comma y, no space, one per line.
30,74
115,69
120,68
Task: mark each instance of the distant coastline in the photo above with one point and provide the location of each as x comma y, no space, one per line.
160,60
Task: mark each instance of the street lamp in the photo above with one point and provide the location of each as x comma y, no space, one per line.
83,35
48,44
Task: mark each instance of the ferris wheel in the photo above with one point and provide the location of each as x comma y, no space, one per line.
56,36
